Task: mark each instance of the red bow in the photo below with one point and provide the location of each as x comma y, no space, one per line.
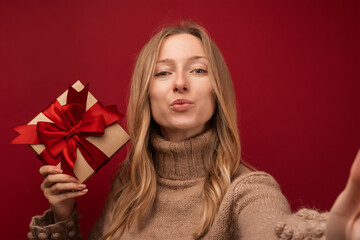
70,126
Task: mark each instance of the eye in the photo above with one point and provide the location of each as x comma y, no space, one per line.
161,74
199,70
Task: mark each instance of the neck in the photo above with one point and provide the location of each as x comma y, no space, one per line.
182,160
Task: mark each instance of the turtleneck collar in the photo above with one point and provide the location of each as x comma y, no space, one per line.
182,160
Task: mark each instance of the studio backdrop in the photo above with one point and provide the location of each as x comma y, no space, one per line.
294,64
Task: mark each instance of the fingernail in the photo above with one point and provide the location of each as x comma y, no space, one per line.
74,179
84,191
81,186
57,170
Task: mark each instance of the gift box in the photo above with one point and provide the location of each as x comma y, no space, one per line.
76,133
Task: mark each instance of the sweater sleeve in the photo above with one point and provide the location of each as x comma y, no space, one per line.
263,212
44,227
304,224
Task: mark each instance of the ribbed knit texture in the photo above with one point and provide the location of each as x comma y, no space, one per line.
252,208
43,227
181,160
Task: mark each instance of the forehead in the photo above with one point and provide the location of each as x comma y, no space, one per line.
181,46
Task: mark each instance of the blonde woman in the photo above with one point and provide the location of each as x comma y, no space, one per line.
183,177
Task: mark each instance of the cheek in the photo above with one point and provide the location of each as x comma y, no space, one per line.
156,100
154,105
209,103
153,95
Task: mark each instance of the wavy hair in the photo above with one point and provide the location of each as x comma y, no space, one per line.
134,187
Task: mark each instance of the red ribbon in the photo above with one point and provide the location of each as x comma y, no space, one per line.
71,125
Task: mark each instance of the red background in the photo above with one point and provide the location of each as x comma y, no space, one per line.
295,65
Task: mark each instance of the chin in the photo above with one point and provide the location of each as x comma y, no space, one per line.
190,127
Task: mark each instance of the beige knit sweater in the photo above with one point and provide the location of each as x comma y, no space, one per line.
252,208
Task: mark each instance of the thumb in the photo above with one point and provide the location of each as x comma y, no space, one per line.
354,179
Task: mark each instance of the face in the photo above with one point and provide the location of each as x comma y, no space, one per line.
180,92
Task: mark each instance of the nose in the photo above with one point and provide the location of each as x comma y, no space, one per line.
181,84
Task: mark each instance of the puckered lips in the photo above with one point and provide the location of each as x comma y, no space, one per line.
181,105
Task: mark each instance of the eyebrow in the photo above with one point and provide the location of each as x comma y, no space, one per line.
191,59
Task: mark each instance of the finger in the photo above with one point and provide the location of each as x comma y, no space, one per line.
348,202
68,195
65,187
354,179
49,169
52,179
356,229
55,199
352,190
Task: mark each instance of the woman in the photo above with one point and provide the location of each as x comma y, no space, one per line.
183,178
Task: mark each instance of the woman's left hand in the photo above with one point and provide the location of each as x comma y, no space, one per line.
344,217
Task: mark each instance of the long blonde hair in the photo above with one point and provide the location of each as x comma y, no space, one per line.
134,187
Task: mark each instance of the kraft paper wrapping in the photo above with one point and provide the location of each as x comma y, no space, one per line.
113,140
